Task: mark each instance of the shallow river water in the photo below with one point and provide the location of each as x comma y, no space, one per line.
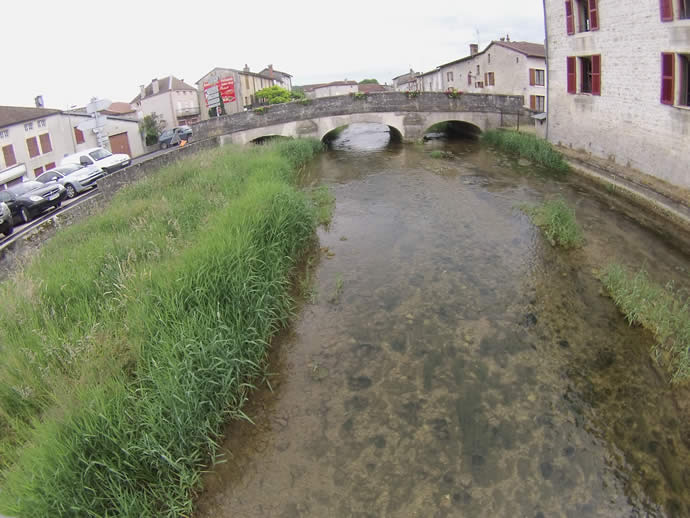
452,363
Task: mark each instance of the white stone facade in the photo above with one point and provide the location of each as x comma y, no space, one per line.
626,121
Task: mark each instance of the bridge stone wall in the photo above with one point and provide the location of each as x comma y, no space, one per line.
410,115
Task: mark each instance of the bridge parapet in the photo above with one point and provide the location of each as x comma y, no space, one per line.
387,102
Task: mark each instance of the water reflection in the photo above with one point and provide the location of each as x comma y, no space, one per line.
467,369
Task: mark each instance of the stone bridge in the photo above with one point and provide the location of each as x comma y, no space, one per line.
408,116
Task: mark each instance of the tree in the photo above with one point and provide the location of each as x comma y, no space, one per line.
273,95
150,128
368,82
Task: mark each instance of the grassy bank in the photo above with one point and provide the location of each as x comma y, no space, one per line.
558,223
661,309
527,146
135,335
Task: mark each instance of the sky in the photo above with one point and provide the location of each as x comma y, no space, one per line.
72,50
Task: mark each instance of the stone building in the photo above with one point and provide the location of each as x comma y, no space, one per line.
33,140
330,89
504,67
619,82
238,87
173,100
406,82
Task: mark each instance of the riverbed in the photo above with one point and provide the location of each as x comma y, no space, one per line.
448,361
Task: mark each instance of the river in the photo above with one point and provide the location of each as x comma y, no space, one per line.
452,363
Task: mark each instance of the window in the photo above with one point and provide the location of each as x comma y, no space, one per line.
50,166
4,133
32,146
586,13
469,78
8,155
479,84
683,9
489,58
449,76
28,126
489,78
589,70
685,79
45,143
536,77
478,71
38,171
41,123
537,103
79,136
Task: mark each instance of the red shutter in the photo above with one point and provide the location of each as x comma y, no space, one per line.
569,19
79,135
38,171
32,146
45,143
486,79
596,75
572,83
50,166
667,77
666,10
8,155
593,15
532,102
532,74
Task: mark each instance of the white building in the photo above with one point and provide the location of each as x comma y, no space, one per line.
504,67
406,82
173,100
33,140
619,82
330,89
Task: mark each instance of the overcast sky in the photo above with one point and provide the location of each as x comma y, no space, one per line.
72,50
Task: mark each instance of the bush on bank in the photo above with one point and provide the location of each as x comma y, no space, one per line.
527,146
136,334
661,309
557,221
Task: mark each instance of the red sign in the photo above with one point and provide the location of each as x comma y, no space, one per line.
226,87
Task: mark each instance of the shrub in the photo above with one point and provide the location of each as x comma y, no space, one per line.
527,146
558,223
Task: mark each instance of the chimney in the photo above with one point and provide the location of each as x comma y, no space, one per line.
39,101
270,70
503,38
474,49
142,91
507,37
246,68
154,86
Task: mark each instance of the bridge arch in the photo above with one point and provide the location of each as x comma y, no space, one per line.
454,128
330,135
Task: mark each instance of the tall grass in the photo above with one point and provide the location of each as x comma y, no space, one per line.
661,309
557,221
136,334
527,146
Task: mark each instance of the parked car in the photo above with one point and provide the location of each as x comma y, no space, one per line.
28,199
6,223
74,178
99,157
172,137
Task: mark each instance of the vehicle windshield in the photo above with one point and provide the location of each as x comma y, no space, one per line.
25,187
67,169
100,153
166,133
48,176
7,196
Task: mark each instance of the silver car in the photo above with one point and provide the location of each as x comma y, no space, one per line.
6,222
75,178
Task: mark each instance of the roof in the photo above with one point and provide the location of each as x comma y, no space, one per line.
165,84
434,71
119,108
246,73
267,72
406,78
531,50
310,88
15,114
371,88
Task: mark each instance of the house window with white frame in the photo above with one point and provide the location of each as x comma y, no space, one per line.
41,123
539,77
684,79
28,126
4,133
449,76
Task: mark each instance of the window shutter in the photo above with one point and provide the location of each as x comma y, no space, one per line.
469,78
572,88
532,102
532,74
569,19
38,171
8,155
79,135
666,10
32,146
667,77
50,166
486,78
596,75
593,15
45,143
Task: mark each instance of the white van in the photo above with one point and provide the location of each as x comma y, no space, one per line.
99,157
